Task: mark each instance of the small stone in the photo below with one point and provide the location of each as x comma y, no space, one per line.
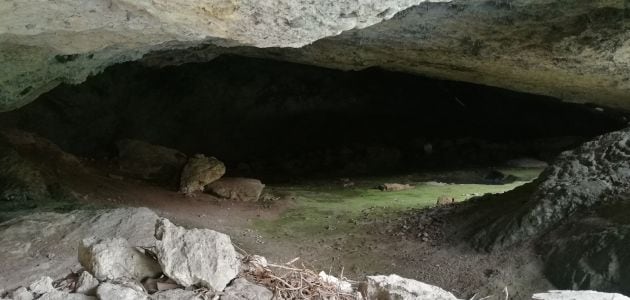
241,289
42,286
396,287
87,284
121,291
393,187
176,294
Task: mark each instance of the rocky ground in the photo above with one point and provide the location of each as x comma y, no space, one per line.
344,227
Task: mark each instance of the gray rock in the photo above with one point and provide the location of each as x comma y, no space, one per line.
241,289
176,294
394,287
115,258
150,162
42,286
199,172
87,284
578,295
594,173
121,291
197,256
58,295
239,189
22,294
24,239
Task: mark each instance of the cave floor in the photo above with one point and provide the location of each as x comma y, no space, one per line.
356,230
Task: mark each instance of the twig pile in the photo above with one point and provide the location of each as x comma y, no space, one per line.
291,282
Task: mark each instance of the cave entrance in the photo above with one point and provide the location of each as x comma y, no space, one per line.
338,150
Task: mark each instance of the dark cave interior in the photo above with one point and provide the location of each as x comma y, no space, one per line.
278,120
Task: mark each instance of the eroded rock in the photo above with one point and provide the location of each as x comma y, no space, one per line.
150,162
42,286
238,189
396,287
176,294
199,172
87,284
22,293
196,256
121,291
59,295
115,258
27,242
241,289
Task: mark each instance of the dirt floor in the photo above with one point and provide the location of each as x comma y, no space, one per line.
341,226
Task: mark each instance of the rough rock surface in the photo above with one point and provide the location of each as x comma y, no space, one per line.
42,286
398,288
199,172
121,291
239,189
197,256
115,258
150,162
22,294
46,243
176,294
87,284
578,295
577,51
241,289
592,174
45,43
58,295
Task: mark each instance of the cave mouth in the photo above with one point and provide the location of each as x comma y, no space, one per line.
280,121
338,150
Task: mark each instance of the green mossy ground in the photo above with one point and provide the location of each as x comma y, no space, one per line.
326,208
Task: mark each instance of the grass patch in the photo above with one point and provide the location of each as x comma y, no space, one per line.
327,208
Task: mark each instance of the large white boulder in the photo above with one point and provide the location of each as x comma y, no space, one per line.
115,258
394,287
47,243
196,256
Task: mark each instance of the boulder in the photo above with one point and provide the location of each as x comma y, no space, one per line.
578,295
342,285
176,294
241,289
121,291
200,171
22,294
395,287
444,200
197,256
58,295
392,187
238,189
27,242
115,258
87,284
146,161
42,286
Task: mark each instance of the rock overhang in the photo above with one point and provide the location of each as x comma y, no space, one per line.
577,51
